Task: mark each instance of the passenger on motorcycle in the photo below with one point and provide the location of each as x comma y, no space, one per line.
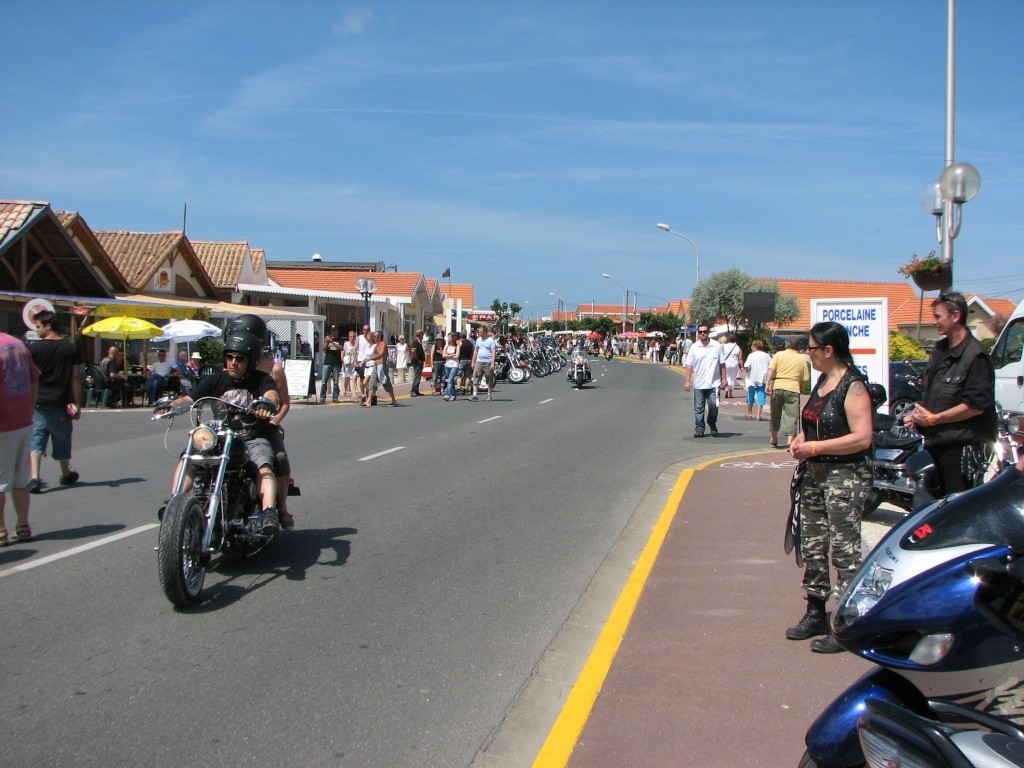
240,382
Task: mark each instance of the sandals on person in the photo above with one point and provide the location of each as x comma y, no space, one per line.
773,444
287,521
22,533
4,541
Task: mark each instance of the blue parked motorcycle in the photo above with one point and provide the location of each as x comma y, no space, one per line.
912,609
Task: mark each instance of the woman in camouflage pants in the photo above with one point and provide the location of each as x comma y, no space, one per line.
834,444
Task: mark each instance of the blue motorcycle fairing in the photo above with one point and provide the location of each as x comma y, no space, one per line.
832,738
937,601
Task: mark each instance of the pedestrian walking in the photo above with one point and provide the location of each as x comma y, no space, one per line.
485,353
417,358
756,366
19,384
788,375
402,359
332,365
60,392
704,371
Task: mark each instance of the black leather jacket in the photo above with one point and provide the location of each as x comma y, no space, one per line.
944,388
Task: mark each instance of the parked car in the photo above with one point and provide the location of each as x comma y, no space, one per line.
1008,361
906,385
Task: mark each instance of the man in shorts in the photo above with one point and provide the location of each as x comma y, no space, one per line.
60,392
485,352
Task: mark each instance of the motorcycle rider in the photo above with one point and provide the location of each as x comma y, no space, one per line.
242,382
255,325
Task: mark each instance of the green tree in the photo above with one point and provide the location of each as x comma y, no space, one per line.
721,297
603,325
666,323
505,311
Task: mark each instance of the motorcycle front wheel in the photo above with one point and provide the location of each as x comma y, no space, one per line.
180,559
516,375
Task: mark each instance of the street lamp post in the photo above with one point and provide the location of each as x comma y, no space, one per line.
625,299
561,306
671,231
959,182
366,287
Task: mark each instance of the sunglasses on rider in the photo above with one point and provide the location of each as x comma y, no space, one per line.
231,357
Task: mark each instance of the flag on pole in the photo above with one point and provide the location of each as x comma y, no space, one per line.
447,272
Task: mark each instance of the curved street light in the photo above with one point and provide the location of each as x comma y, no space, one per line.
625,298
671,231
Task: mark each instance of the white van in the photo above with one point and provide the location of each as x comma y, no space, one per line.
1006,358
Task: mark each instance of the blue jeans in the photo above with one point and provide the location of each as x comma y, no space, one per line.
449,381
329,373
702,398
417,372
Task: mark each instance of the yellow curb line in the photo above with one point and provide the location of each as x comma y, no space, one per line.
564,734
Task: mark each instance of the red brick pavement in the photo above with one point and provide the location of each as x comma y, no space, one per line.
704,675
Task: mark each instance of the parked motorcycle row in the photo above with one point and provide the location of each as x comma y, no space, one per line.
938,607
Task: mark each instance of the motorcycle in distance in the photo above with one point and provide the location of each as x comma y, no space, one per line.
579,369
912,609
221,512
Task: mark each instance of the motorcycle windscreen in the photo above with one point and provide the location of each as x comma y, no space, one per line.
992,513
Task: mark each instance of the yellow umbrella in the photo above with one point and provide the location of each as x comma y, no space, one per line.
122,328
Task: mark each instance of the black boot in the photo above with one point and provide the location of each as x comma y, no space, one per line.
813,623
826,644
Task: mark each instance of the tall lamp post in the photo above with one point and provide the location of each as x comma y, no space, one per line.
366,287
959,182
625,299
561,306
671,231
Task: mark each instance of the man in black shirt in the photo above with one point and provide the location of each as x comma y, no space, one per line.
957,414
60,392
417,357
241,383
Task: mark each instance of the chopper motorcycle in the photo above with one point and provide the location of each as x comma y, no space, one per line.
912,609
221,512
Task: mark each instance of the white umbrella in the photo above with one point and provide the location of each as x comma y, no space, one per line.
185,331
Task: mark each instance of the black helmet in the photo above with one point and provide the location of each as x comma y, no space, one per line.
877,393
244,343
253,324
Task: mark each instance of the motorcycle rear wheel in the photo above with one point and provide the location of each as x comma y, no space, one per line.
180,559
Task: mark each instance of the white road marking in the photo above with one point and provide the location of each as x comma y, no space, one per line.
382,453
549,400
77,550
484,421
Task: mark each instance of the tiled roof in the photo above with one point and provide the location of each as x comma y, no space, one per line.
259,258
1002,307
431,285
222,261
455,291
387,283
14,214
903,300
138,254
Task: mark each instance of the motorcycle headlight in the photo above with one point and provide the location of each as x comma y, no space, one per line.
862,596
203,439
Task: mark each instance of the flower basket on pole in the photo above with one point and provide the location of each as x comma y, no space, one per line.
929,273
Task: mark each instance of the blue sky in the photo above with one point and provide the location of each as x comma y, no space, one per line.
528,146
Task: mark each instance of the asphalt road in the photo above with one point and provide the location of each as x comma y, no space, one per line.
440,549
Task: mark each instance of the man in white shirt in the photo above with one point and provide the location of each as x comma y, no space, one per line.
160,373
363,352
704,371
